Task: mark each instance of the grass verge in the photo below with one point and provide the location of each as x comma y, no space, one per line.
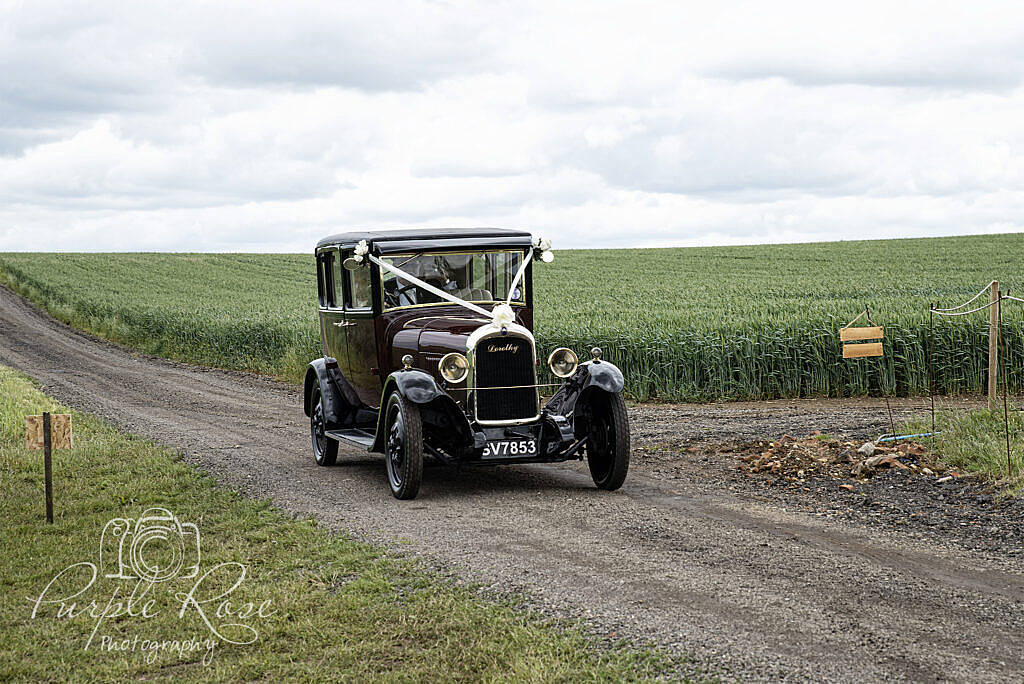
316,606
974,442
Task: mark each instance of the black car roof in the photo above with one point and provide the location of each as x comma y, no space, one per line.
412,239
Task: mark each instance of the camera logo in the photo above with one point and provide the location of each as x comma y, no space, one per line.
154,548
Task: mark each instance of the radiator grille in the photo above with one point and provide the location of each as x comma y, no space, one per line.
504,362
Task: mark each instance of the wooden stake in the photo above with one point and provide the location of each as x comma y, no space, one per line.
48,467
993,344
1006,410
931,363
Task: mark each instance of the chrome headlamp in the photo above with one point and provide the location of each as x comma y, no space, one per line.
454,367
563,362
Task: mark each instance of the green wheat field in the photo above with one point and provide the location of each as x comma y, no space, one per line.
689,324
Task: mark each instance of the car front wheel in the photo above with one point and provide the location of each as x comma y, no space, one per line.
325,449
608,440
403,447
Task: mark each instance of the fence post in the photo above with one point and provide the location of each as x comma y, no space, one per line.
47,467
1006,411
993,344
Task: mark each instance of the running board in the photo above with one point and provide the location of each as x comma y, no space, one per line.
352,436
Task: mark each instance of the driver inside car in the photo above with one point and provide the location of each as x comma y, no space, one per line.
450,273
402,293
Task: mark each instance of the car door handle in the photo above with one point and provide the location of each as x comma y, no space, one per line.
344,324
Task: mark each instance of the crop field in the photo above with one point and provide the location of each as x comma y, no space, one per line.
693,324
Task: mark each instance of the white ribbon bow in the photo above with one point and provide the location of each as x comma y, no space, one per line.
502,315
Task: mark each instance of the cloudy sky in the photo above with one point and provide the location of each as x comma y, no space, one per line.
261,127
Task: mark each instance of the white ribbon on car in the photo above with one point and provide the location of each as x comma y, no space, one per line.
501,315
430,288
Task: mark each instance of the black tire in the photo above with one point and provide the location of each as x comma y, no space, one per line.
607,440
403,446
325,449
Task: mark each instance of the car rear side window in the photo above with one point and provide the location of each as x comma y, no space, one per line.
326,278
320,291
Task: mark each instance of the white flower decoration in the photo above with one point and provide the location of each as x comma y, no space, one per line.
361,250
503,315
543,245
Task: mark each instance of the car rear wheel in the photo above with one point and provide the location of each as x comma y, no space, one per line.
325,449
608,440
403,447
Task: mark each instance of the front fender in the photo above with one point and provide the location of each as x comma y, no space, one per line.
590,376
442,418
340,400
604,375
415,385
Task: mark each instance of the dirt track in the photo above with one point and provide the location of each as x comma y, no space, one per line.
749,587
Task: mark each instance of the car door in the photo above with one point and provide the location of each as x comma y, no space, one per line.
322,270
361,365
332,312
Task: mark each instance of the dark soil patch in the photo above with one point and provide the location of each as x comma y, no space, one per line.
903,488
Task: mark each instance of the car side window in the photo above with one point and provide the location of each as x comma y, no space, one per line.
321,275
358,288
327,281
337,275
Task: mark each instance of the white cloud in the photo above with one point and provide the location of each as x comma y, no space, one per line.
261,126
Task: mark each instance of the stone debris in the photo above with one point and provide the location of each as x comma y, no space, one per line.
796,460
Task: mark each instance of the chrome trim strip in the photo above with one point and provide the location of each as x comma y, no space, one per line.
539,384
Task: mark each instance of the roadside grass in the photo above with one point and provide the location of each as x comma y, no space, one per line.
339,610
974,442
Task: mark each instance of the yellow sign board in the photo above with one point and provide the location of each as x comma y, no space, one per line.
60,431
861,350
855,334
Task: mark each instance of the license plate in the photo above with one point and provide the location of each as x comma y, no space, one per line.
510,448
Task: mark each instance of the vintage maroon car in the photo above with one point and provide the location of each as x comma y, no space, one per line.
428,349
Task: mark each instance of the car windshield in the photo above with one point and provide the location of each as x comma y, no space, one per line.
472,276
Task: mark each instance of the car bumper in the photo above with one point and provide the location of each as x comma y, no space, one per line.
552,433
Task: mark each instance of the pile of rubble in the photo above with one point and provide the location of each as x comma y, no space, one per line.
820,455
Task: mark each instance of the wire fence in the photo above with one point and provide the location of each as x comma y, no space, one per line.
997,347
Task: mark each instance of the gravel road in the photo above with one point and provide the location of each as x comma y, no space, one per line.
748,585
